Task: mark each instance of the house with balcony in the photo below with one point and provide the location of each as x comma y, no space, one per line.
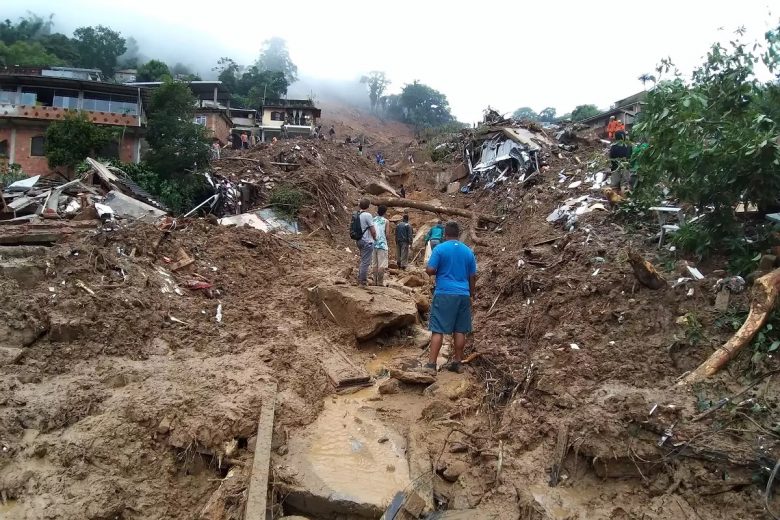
212,108
30,99
299,116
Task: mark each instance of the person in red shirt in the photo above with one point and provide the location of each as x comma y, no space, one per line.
244,140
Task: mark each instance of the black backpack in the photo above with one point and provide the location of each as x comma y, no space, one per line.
355,229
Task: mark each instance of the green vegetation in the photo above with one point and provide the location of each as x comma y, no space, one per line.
526,113
418,105
287,199
99,48
153,70
11,173
582,112
713,142
177,144
74,138
377,83
180,193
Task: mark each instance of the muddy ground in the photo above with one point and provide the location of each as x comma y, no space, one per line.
129,399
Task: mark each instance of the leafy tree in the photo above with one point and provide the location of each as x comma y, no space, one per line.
547,115
72,139
28,28
26,53
713,140
525,113
581,112
275,57
153,70
251,84
62,47
177,143
100,48
377,83
424,106
228,72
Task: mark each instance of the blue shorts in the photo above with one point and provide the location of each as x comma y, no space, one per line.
450,313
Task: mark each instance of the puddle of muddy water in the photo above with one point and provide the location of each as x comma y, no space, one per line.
339,458
10,506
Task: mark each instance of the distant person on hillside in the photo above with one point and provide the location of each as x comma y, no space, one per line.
332,133
362,230
244,141
381,251
410,158
435,235
360,149
215,150
404,236
455,268
619,155
402,192
284,130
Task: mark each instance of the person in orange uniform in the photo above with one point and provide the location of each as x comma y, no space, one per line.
613,127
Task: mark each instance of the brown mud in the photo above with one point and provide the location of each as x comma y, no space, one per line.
135,402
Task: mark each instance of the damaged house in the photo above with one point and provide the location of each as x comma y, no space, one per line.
497,152
31,98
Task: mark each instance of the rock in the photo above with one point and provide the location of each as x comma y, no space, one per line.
26,274
722,300
65,330
454,470
412,281
282,450
437,410
158,347
420,336
389,386
459,172
251,443
451,389
383,439
9,356
423,303
453,187
458,447
414,378
366,310
414,504
767,263
379,188
164,426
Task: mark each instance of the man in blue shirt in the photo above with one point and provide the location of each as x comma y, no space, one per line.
455,268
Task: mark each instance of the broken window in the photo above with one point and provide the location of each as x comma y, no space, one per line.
4,148
38,146
200,120
37,96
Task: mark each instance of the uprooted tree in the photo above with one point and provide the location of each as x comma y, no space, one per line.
713,140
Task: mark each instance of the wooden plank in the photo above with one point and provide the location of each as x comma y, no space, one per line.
341,370
258,482
561,449
33,238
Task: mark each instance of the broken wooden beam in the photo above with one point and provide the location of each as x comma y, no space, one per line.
392,202
257,495
33,237
341,370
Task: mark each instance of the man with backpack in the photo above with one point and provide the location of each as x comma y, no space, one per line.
362,230
435,235
404,235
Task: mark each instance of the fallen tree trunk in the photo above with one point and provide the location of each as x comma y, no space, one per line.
765,292
391,202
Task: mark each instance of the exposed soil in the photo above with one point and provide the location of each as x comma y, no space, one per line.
136,402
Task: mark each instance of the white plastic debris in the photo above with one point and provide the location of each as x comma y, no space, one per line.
219,313
574,346
695,273
690,292
596,272
102,210
575,184
612,343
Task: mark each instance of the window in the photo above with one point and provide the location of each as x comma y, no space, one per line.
3,148
277,116
37,96
8,96
95,102
38,146
200,120
66,98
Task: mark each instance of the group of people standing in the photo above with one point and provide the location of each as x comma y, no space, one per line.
371,237
451,262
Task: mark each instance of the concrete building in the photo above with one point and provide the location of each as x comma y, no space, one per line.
298,115
30,99
625,110
212,108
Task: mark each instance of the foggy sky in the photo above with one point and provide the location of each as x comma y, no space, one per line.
505,53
